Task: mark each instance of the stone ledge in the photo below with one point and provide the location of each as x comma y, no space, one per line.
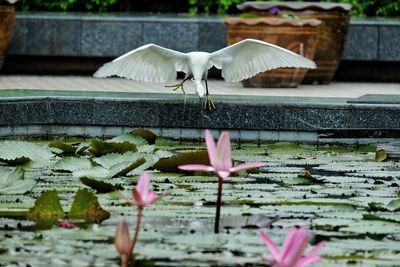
170,113
83,35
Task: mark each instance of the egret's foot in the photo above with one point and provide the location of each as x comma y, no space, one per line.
177,86
209,104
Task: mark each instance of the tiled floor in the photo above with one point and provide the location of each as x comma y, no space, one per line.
87,83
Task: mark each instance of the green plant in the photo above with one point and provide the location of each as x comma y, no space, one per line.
387,8
67,5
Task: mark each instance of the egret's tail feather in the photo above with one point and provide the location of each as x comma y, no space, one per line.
199,88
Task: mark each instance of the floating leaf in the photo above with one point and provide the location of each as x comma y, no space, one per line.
100,185
148,135
20,152
81,148
99,148
93,172
12,182
383,216
394,204
171,164
72,164
112,159
372,227
47,209
122,168
380,155
119,165
87,207
305,178
67,149
130,137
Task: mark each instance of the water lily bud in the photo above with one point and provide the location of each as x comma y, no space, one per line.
122,240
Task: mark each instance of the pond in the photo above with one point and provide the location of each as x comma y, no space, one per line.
342,194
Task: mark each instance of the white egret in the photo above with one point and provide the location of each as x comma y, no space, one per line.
243,60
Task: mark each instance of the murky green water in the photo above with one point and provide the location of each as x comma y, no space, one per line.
352,203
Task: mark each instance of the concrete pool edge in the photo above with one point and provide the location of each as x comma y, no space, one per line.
250,120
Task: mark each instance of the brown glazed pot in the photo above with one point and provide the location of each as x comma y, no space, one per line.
299,36
331,36
7,15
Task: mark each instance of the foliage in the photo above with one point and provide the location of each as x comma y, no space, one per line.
86,206
64,5
360,7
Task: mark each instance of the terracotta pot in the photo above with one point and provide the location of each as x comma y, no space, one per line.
299,36
7,15
332,32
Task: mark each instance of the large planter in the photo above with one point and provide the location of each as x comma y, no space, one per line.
299,36
331,37
7,15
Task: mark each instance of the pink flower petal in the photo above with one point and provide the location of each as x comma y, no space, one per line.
249,165
66,224
211,147
142,186
197,167
223,158
293,247
270,245
151,198
223,174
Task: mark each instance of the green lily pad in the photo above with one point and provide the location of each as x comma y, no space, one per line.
20,152
87,207
47,209
66,149
131,137
100,185
148,135
99,148
305,178
92,172
72,164
171,164
12,182
394,204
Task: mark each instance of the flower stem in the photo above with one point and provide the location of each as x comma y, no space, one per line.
124,260
137,229
218,208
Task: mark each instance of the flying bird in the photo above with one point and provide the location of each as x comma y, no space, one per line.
243,60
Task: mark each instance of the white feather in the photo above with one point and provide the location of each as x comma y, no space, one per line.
153,63
246,58
148,63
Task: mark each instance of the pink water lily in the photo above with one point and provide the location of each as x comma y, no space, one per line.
220,158
292,253
221,163
142,195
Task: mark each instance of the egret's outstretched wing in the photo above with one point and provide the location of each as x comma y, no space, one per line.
148,63
249,57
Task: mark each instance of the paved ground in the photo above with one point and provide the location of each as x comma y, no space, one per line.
87,83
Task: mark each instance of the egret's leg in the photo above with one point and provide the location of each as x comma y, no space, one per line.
208,103
180,85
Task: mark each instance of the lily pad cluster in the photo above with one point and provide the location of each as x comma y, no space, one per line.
342,194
